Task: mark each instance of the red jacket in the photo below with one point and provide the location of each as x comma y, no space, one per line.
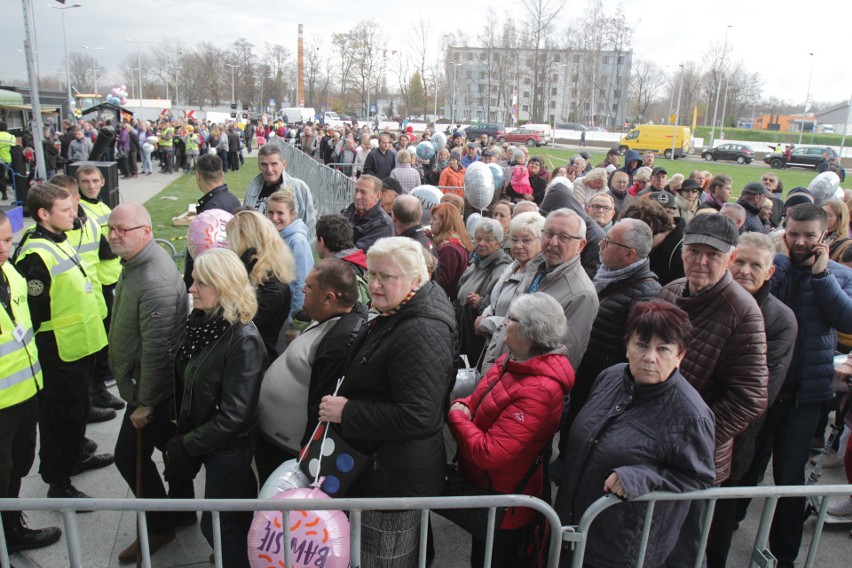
511,425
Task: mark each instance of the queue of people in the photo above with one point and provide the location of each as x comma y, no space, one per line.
657,338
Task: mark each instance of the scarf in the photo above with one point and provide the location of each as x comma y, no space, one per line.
606,276
374,313
201,331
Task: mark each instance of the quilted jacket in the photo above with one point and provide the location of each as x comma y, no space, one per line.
726,358
515,412
398,388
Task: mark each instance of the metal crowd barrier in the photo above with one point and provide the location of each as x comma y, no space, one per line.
332,190
69,508
761,557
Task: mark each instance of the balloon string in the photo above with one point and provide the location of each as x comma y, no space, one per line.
324,436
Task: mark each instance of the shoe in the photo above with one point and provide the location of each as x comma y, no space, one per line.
93,462
840,506
185,518
21,537
831,461
65,490
106,399
97,414
89,447
155,543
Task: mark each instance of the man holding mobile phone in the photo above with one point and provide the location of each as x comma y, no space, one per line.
819,291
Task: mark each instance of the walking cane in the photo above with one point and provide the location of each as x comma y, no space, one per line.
138,493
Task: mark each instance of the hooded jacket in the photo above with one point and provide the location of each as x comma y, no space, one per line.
296,236
629,168
515,411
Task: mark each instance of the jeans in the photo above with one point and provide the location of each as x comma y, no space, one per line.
147,166
791,430
154,435
223,155
229,476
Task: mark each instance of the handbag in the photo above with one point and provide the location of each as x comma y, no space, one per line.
331,461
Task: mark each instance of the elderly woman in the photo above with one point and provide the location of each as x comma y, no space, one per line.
836,235
451,244
487,264
270,267
407,176
219,370
643,429
674,183
601,208
496,449
593,182
394,398
525,237
618,185
687,200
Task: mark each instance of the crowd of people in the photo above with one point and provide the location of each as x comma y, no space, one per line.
671,339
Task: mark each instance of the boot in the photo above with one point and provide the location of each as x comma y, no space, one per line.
97,414
105,399
20,537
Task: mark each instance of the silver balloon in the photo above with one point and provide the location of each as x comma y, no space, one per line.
499,176
287,476
439,141
425,150
472,221
429,196
824,186
479,185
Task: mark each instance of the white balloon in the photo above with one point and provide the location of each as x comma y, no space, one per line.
429,196
824,186
479,185
439,141
287,476
471,224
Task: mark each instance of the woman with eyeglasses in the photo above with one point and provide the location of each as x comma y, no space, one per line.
525,237
393,401
487,263
687,200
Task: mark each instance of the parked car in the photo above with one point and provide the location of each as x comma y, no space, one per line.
526,136
570,126
596,129
802,156
477,129
740,153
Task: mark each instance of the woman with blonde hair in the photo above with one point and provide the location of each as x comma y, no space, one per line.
219,370
271,268
837,233
451,244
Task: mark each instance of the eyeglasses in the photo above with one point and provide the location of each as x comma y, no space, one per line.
564,238
382,278
511,318
524,241
598,207
486,240
122,232
606,242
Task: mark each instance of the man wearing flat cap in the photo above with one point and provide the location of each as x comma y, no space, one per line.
726,357
753,196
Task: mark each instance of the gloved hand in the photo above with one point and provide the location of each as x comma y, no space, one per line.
179,463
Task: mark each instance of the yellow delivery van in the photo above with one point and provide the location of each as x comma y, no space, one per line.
658,138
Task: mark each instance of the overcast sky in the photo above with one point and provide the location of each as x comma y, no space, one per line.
768,37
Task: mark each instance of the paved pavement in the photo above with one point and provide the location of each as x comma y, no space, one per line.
105,534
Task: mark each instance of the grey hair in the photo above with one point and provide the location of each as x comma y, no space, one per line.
528,222
736,208
490,226
406,253
598,173
638,235
541,320
269,149
642,174
758,241
565,212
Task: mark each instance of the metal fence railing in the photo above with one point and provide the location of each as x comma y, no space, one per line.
355,507
761,557
332,190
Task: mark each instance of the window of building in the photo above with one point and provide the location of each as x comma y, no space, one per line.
552,104
482,56
468,74
614,107
526,94
527,81
525,108
620,59
483,75
606,59
557,57
554,78
553,91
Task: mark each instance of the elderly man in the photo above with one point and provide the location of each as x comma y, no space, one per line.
718,193
149,315
752,269
561,196
736,213
559,273
726,358
771,182
407,217
272,177
369,221
753,196
819,292
382,160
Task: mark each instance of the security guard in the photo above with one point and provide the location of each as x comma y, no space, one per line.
90,181
67,316
7,140
20,381
167,136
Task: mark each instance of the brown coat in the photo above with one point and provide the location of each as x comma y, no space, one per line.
726,358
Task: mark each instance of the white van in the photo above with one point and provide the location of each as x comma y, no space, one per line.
545,130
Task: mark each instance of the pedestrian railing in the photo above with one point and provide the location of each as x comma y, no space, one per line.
331,188
576,536
70,507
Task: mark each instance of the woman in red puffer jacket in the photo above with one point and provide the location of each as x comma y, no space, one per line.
505,425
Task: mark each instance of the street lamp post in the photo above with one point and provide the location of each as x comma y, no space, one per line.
807,97
139,65
38,124
233,91
677,114
719,85
564,66
62,10
724,109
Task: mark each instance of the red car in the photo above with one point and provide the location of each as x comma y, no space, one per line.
522,136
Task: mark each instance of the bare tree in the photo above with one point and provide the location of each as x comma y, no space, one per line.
539,20
646,84
79,65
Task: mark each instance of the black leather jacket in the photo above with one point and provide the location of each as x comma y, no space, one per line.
221,387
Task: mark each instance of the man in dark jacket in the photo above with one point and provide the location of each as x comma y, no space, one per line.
819,292
726,358
382,160
753,269
233,149
753,196
369,221
407,216
561,196
149,314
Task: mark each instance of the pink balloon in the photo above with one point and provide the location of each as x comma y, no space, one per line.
124,100
124,87
207,231
317,538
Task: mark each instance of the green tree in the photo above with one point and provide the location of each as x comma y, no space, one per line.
416,100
